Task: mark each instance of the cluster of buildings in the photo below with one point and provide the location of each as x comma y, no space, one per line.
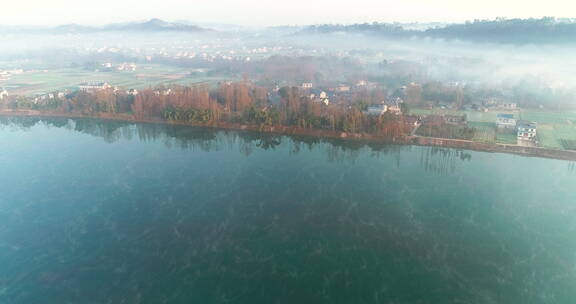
390,107
126,67
108,66
132,92
319,96
393,103
43,98
525,130
227,50
342,87
93,86
496,104
340,90
163,92
7,75
491,104
4,75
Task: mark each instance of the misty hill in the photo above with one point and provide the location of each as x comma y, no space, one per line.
514,31
545,30
74,28
153,25
382,29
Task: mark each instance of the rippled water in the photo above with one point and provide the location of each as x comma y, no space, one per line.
107,212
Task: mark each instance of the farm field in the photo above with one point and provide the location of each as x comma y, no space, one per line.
549,117
551,135
538,116
508,138
553,126
42,81
473,116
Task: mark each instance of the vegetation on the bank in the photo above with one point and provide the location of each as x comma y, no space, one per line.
230,102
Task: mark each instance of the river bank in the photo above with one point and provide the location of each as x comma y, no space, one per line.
283,130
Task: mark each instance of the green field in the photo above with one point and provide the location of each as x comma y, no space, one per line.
551,135
553,126
549,117
146,75
508,138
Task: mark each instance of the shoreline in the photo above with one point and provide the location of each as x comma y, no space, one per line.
283,130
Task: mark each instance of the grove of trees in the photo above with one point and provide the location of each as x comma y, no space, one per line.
230,102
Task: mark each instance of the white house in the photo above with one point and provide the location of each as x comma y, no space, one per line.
343,88
509,106
505,121
307,85
377,109
526,130
325,101
394,106
3,94
4,75
164,92
318,94
94,86
127,67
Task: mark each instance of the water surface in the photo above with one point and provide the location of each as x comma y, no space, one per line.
107,212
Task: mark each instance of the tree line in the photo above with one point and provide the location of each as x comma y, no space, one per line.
229,102
500,30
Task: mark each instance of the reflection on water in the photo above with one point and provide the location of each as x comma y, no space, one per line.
442,161
434,159
169,214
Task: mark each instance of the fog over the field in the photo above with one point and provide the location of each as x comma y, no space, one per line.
438,59
532,56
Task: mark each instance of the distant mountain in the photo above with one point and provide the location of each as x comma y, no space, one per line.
382,29
74,28
153,25
545,30
512,31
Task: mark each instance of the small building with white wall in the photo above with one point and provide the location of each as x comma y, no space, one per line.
505,121
3,94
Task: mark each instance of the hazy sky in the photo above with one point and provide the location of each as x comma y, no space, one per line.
274,12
